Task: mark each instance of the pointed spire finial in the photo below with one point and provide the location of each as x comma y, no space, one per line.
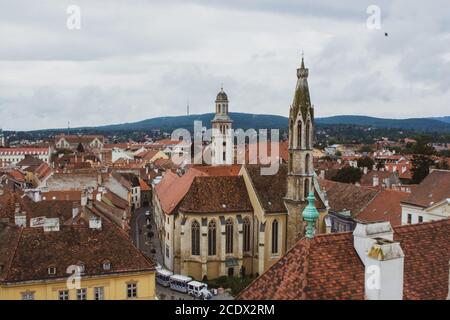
310,215
221,87
303,60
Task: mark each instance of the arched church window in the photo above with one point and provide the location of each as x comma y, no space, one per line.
195,238
212,238
246,235
308,134
299,134
275,236
307,160
229,236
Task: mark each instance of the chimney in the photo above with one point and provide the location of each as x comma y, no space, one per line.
383,260
17,208
365,233
37,196
95,223
75,210
20,218
83,197
384,271
376,180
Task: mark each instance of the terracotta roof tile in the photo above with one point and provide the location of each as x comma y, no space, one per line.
384,207
433,189
69,246
328,267
217,194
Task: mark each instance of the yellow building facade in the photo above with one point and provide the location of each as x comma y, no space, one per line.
114,287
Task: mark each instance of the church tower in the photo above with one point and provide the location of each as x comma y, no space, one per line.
300,165
222,138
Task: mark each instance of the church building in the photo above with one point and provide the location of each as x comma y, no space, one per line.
219,221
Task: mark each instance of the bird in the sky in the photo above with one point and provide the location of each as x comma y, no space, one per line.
385,34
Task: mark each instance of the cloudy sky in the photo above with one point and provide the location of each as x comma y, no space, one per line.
137,59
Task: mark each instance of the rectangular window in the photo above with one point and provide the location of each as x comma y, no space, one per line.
420,219
63,295
409,218
82,294
131,290
99,293
167,251
27,295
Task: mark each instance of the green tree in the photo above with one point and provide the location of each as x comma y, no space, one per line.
348,175
366,162
380,165
420,167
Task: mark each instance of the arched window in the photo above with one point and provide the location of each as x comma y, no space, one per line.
275,236
308,135
291,136
307,160
299,134
212,239
306,188
246,235
229,236
195,238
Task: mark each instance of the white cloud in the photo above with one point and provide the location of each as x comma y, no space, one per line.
132,61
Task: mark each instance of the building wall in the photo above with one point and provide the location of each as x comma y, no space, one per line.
115,288
199,266
438,212
261,255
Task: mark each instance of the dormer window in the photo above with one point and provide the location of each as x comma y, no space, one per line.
51,270
106,265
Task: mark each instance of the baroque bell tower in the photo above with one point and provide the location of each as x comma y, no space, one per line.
300,165
222,137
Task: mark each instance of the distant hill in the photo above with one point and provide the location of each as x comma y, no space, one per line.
259,121
443,119
240,120
414,124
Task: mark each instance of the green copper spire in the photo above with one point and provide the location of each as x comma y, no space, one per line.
310,215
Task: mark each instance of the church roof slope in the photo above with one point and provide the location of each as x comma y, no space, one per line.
270,189
217,194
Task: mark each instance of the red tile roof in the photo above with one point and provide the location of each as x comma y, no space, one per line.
231,170
217,194
173,188
328,267
346,196
69,246
433,189
384,207
144,186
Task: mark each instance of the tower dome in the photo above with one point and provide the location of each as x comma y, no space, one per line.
222,96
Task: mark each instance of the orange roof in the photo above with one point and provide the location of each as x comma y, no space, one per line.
144,186
173,188
17,175
385,207
231,170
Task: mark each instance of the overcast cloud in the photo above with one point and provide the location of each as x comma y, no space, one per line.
139,59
